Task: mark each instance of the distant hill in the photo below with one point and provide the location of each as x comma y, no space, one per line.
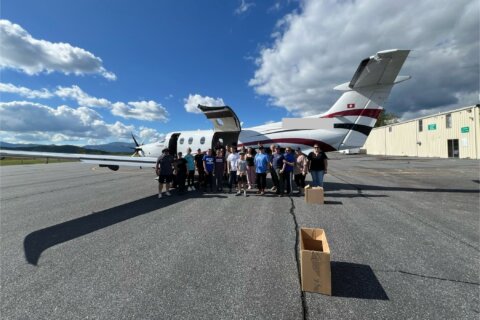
70,148
113,147
7,145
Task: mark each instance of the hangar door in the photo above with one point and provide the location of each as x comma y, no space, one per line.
225,123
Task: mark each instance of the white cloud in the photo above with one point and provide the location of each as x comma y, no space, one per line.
193,101
83,99
141,110
22,52
33,122
148,135
243,7
322,44
25,92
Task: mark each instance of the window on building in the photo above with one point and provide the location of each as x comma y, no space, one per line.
420,125
202,140
448,120
190,140
182,140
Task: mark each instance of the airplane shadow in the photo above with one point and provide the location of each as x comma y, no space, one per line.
352,280
38,241
335,186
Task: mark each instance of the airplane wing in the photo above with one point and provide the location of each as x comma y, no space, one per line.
103,160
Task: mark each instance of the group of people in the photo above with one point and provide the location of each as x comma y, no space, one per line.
240,170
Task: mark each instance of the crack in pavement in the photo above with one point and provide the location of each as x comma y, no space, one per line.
304,302
427,277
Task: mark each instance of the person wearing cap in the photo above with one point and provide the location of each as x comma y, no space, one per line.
242,174
261,167
318,163
164,170
300,170
200,170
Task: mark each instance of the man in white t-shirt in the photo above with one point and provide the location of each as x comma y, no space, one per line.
232,164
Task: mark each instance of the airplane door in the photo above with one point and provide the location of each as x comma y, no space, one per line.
172,143
225,122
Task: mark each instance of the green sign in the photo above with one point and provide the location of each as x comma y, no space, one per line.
432,126
465,129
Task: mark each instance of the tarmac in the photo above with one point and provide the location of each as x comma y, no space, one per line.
82,242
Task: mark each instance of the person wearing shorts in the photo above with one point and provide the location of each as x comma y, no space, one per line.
164,170
242,174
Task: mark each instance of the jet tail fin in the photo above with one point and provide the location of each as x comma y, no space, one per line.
359,107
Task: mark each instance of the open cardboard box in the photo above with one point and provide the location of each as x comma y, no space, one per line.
315,261
314,194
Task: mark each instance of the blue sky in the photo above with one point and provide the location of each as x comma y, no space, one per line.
92,71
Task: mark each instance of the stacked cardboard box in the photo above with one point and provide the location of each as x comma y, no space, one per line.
314,194
315,261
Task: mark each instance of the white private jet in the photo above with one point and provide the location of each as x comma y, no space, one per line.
345,125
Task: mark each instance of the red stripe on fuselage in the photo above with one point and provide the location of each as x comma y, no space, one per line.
371,113
285,141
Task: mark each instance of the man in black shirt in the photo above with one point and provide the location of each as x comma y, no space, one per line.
199,165
317,165
181,168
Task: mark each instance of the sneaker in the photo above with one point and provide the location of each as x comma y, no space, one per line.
262,193
273,189
168,193
249,187
238,193
159,195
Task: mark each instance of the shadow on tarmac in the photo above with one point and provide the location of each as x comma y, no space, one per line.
352,280
38,241
334,186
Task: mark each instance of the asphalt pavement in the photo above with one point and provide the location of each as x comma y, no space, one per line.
81,242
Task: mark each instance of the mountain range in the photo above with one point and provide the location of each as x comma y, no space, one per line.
113,147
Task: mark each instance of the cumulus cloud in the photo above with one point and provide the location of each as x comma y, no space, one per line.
243,7
322,44
22,52
194,100
140,110
82,98
34,122
148,135
25,92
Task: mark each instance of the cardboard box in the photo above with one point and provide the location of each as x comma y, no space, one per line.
315,261
314,195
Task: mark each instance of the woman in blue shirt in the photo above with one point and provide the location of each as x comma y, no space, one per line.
261,167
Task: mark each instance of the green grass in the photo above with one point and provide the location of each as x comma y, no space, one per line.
16,161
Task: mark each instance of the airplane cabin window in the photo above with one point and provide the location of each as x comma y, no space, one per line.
182,140
190,140
202,140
